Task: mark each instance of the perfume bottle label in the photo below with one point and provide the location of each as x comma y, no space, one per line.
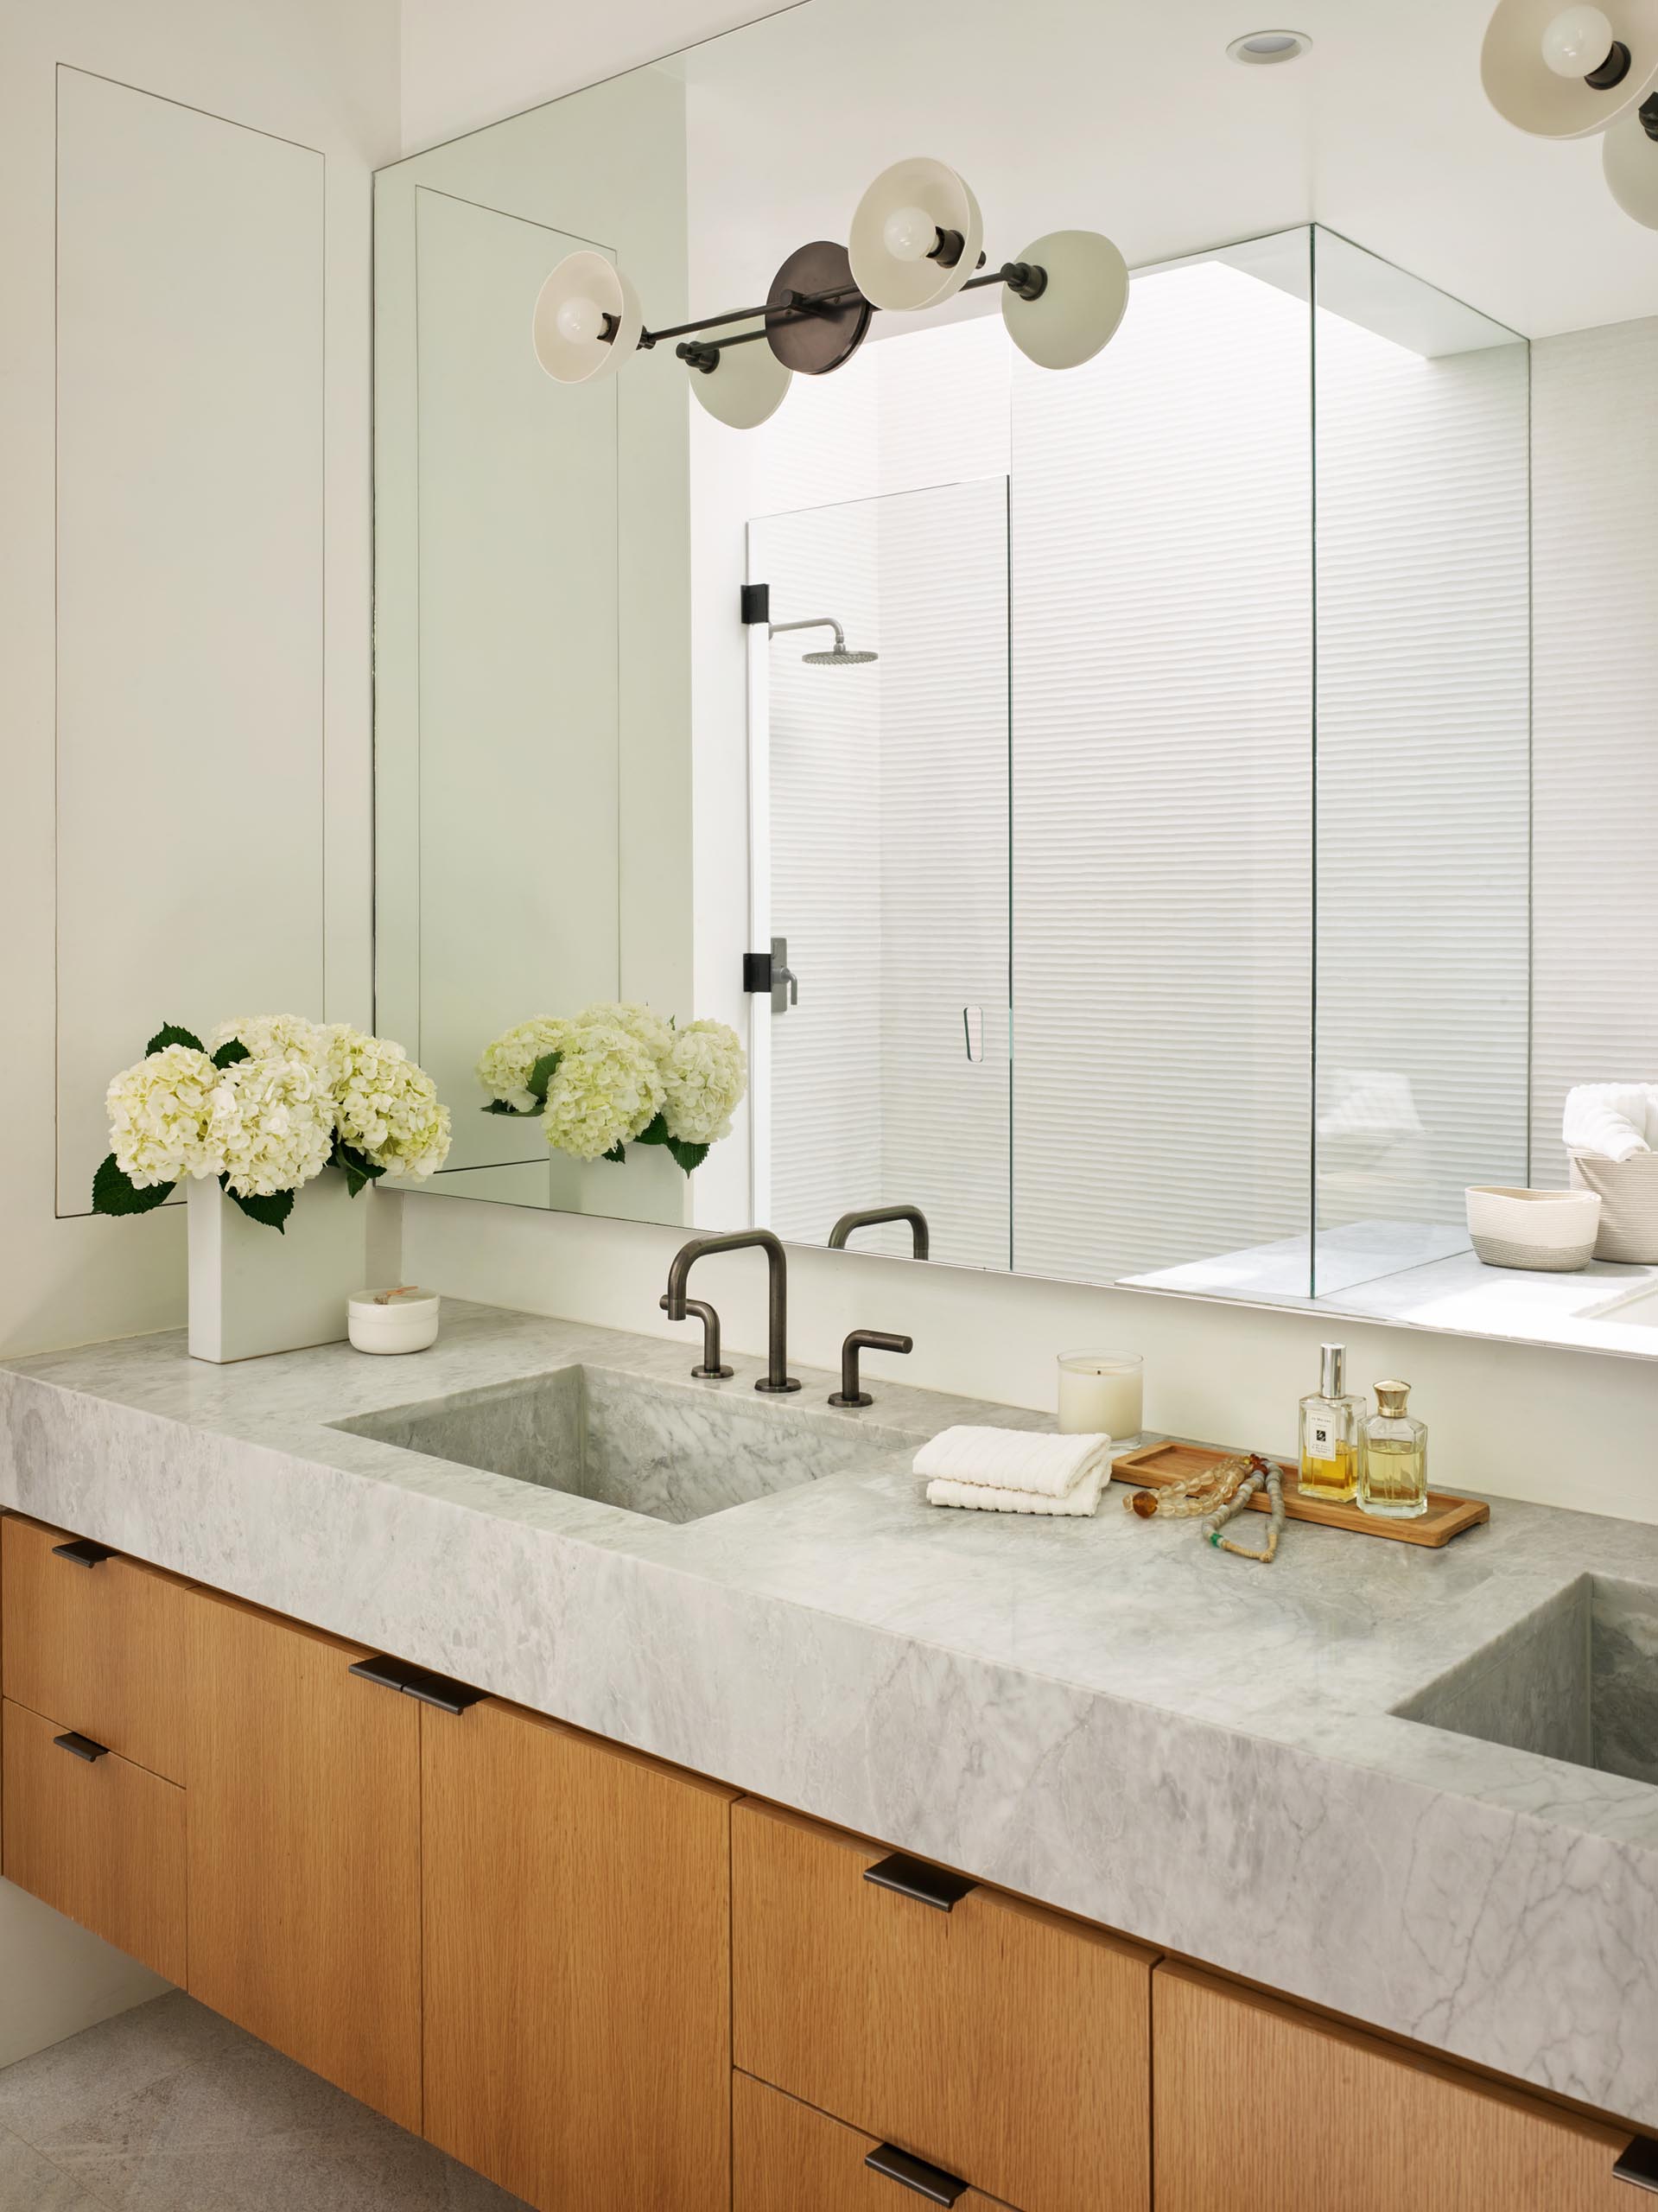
1321,1440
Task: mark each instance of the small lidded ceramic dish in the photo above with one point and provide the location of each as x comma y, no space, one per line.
1554,1231
403,1320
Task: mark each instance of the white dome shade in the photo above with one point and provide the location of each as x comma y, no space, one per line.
1080,307
585,294
896,226
1528,64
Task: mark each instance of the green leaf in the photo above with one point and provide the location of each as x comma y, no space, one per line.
541,1074
171,1033
654,1132
230,1053
689,1156
114,1192
617,1153
358,1170
520,1113
269,1213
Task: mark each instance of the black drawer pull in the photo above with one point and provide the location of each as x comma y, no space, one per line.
914,1877
83,1552
81,1747
931,2182
1639,2163
417,1681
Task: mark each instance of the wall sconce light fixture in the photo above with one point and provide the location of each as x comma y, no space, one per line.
917,239
1568,73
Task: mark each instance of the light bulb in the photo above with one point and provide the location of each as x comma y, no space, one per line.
910,234
579,319
1577,42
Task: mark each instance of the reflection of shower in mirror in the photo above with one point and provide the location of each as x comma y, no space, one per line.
837,657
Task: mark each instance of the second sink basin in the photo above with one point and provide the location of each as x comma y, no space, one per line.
673,1453
1576,1680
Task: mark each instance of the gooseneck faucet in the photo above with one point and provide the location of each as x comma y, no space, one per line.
874,1216
776,1375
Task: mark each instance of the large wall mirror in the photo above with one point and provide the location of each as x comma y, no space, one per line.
1205,829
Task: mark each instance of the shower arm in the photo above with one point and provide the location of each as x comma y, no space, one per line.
814,622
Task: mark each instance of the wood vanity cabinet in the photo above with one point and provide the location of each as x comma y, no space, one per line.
1258,2104
577,1928
1002,2043
304,1852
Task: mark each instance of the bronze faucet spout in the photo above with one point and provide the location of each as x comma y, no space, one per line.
776,1376
874,1215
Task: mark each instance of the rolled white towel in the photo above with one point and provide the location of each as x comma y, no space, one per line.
1083,1497
1030,1460
1610,1120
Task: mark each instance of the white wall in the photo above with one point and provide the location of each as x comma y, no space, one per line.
322,77
1595,721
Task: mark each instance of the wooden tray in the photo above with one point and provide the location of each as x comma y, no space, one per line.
1155,1465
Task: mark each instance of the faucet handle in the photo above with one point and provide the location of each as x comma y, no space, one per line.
710,1371
863,1340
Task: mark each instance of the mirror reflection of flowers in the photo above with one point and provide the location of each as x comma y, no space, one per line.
266,1104
617,1074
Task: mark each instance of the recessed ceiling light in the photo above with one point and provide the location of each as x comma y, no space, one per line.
1259,48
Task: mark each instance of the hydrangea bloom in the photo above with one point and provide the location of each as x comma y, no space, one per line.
637,1020
703,1080
159,1112
385,1107
271,1126
275,1036
506,1067
605,1089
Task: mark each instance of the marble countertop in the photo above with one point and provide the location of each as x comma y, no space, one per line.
1107,1714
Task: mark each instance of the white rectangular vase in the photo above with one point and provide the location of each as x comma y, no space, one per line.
254,1291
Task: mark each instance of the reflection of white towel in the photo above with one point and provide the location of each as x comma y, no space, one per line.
1610,1121
1082,1497
1030,1461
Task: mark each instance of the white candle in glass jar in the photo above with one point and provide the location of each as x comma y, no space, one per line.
1101,1393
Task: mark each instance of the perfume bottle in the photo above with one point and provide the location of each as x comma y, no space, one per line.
1392,1471
1331,1423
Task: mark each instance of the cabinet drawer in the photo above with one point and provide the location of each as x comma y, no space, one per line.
100,1647
1003,2043
1258,2104
787,2158
95,1837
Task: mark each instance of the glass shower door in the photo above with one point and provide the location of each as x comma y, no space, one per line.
886,1079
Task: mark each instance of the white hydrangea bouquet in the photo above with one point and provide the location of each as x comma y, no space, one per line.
265,1105
617,1074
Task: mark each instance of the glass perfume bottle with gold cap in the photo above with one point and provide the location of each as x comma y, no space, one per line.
1393,1473
1331,1434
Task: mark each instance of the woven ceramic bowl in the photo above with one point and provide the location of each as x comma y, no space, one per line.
1554,1231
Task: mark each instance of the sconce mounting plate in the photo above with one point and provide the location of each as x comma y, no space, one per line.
828,335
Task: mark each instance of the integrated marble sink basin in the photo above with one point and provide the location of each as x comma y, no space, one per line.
1577,1679
673,1453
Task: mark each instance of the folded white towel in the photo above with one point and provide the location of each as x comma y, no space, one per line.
1083,1497
1610,1121
1013,1458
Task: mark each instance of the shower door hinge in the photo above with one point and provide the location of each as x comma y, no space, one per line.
756,602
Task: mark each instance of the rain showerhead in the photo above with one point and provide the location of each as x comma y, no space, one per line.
839,657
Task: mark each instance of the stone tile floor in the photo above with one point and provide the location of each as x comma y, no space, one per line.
168,2108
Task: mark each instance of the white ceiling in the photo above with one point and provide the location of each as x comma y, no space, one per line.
1113,114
